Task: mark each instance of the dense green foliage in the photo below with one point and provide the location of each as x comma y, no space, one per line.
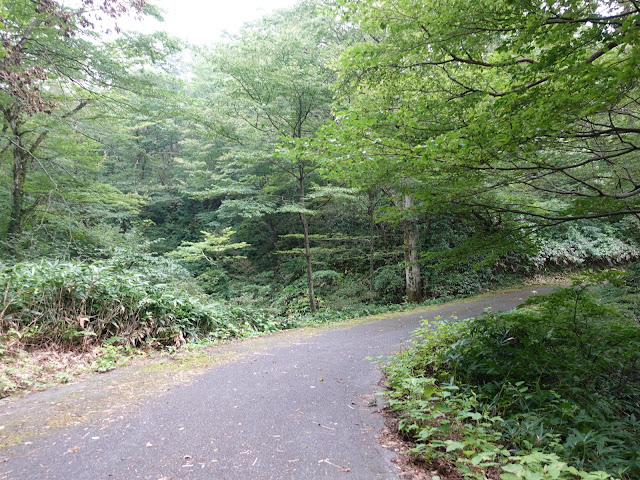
74,304
336,159
554,380
500,107
58,79
331,160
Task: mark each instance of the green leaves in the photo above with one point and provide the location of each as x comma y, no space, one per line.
537,391
211,247
473,98
545,466
295,208
274,72
75,304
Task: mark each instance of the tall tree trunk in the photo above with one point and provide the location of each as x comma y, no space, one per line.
20,164
372,226
21,156
307,256
412,271
307,246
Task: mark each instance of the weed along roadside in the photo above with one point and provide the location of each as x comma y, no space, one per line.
26,370
94,318
546,391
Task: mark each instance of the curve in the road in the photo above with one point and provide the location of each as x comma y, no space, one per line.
296,405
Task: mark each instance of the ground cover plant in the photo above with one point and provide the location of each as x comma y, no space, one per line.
548,390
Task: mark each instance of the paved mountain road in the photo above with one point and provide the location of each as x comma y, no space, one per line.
293,405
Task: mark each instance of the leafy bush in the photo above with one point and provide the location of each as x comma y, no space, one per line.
72,304
293,299
459,262
554,382
588,243
137,257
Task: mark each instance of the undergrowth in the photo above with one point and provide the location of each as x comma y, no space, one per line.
548,390
101,314
73,304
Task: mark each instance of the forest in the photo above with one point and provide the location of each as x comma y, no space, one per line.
329,161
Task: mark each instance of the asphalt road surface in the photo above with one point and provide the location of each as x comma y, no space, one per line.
300,404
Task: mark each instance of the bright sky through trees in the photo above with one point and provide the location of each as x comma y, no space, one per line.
204,21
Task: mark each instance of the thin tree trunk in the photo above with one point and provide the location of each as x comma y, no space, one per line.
21,157
307,256
372,226
307,246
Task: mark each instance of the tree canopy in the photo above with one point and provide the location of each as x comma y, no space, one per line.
393,149
527,107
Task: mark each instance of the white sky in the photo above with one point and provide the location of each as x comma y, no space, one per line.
204,21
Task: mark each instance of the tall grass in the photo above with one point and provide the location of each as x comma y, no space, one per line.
78,305
74,304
